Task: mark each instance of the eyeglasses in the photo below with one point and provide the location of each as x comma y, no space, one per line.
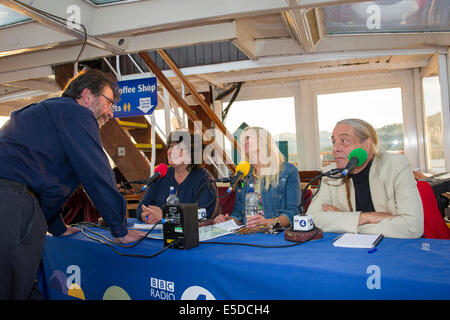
110,101
174,144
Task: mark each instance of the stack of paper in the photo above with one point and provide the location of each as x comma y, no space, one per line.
356,240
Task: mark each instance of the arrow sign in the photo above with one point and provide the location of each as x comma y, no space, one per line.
145,105
138,97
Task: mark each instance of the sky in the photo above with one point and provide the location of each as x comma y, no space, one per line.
275,115
378,107
3,120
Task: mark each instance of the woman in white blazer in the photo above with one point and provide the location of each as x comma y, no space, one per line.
379,196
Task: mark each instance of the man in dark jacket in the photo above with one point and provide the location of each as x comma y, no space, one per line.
46,151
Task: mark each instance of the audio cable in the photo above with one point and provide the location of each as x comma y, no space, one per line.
109,243
260,245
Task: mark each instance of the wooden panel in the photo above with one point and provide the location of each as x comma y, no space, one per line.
307,176
133,165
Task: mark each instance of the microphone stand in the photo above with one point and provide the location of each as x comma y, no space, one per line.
144,182
331,174
290,234
303,200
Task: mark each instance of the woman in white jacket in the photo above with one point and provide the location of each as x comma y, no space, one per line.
379,196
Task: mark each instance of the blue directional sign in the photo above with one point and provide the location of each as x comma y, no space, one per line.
138,97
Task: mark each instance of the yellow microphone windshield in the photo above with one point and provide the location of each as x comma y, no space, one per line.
243,167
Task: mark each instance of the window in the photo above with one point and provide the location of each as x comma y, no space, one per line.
381,108
3,120
433,124
387,16
275,115
9,16
103,2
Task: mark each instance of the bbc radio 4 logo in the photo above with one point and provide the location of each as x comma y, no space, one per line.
162,289
165,290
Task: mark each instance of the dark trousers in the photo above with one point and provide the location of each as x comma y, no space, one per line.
22,231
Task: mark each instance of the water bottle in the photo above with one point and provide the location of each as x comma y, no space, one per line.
251,202
172,198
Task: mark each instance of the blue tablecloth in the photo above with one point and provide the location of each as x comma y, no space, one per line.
76,267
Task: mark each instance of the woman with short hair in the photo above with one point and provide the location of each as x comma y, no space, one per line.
192,182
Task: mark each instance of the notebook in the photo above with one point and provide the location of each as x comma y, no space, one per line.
356,240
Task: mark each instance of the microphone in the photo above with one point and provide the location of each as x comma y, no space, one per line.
356,158
160,171
331,172
242,170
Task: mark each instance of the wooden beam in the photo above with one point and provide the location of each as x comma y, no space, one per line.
63,73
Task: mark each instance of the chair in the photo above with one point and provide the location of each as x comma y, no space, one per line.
79,208
307,176
434,224
307,195
226,201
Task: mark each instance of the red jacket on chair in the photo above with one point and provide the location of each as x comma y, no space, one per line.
434,225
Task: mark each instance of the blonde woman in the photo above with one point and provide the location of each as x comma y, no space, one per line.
276,182
380,196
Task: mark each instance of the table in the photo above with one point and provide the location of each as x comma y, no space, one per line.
76,267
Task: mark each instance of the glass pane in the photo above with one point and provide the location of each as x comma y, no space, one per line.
3,120
433,123
386,16
100,2
9,16
381,108
275,115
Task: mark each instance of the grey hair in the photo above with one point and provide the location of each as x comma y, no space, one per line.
363,130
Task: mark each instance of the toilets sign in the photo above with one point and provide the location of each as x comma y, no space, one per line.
138,97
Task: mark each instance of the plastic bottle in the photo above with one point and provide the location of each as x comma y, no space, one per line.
172,198
251,202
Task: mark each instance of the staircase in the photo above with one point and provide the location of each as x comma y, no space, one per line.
127,140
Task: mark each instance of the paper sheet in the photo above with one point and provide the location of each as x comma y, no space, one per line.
229,225
145,226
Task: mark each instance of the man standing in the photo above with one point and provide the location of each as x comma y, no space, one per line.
46,150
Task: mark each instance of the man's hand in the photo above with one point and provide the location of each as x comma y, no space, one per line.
70,230
132,236
373,217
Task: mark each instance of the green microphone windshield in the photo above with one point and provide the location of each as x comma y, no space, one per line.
360,154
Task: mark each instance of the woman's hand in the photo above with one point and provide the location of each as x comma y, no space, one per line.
151,214
256,220
221,218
